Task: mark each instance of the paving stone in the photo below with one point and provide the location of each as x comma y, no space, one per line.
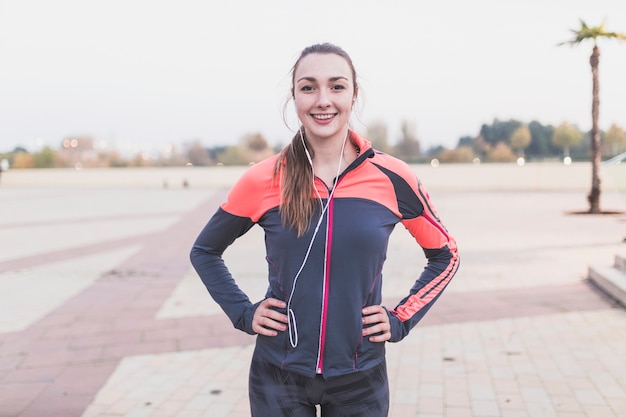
518,333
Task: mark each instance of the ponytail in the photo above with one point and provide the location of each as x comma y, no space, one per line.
293,169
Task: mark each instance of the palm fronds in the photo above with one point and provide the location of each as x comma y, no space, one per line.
591,32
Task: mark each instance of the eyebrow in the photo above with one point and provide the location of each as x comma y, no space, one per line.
332,79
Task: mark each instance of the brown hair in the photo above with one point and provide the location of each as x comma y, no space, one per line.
293,169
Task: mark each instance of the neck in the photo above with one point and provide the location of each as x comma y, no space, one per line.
332,157
327,150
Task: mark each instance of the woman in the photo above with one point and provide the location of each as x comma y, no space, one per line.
327,204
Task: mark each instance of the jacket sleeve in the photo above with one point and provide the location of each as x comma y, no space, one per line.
206,257
251,196
421,220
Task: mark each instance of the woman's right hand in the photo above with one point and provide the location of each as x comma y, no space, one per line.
267,321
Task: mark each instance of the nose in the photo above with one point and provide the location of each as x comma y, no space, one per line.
323,99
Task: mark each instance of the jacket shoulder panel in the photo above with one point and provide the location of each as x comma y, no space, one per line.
256,192
405,183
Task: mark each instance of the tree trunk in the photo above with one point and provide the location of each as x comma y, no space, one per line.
594,194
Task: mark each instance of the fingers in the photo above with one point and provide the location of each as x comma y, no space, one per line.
380,328
267,321
273,302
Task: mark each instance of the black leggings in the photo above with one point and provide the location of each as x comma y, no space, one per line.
278,393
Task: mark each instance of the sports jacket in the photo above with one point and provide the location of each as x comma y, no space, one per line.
343,272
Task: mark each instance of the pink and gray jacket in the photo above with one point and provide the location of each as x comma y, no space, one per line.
343,273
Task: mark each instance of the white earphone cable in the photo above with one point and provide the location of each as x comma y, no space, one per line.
291,324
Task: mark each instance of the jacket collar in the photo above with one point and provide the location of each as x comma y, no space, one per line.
364,147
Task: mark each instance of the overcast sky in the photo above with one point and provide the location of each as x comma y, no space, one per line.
148,72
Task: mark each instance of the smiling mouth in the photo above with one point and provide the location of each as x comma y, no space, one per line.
323,116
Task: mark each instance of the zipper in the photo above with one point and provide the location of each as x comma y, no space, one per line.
319,367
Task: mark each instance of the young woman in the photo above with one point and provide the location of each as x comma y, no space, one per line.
327,204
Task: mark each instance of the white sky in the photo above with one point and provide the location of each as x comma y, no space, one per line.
150,72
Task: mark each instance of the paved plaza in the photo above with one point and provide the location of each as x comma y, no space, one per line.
103,315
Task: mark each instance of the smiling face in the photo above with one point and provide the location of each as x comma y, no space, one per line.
324,93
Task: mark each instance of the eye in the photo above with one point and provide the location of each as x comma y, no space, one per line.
338,87
306,88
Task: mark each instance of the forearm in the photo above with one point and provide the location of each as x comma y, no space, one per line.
442,265
206,258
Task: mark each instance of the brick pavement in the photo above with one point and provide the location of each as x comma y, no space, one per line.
496,344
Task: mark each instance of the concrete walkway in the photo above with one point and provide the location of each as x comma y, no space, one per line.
103,316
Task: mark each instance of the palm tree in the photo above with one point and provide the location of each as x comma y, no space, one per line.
594,33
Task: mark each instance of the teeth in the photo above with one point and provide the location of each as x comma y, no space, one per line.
323,116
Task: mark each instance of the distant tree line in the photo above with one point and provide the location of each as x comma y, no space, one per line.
507,140
80,152
500,141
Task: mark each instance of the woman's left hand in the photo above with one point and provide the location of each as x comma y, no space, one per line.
378,318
